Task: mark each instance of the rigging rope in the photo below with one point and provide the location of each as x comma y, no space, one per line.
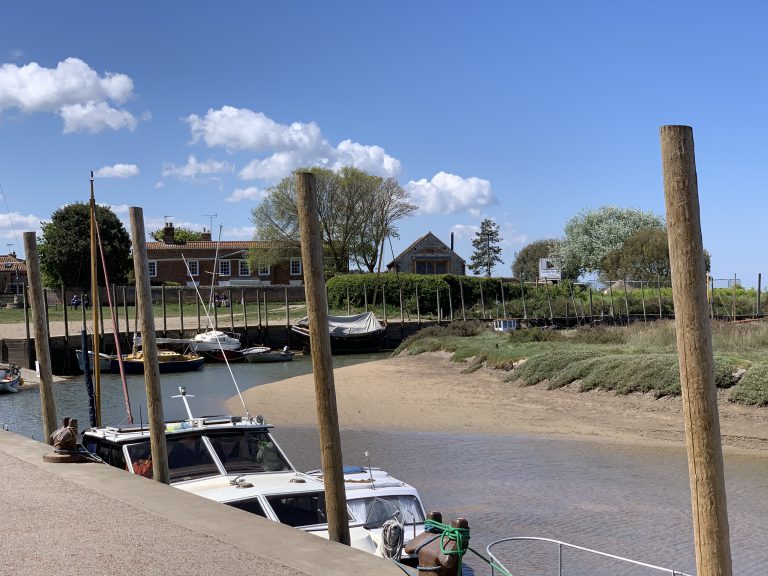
210,324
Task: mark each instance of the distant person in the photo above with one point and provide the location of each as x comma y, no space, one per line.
75,302
86,302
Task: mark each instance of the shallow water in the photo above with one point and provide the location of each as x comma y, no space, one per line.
628,500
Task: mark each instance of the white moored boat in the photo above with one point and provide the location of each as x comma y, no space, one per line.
214,340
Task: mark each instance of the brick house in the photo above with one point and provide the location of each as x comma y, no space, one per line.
166,263
13,274
429,255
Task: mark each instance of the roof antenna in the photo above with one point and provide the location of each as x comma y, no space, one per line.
210,219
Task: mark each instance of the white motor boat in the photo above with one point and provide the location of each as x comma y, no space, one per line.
231,460
215,340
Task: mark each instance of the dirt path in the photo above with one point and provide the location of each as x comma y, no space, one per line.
430,393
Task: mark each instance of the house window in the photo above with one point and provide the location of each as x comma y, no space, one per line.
225,268
295,266
245,268
431,267
152,265
263,270
194,267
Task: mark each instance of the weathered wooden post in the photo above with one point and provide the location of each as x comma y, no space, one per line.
450,303
197,302
149,348
610,293
522,295
287,312
591,310
231,311
64,304
245,317
549,302
127,322
418,308
349,304
503,298
694,345
42,348
759,278
461,291
658,287
365,297
482,300
320,344
266,321
384,302
733,300
162,304
626,300
642,299
180,294
437,301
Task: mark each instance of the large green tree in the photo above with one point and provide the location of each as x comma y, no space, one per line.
591,235
486,247
643,256
356,211
65,250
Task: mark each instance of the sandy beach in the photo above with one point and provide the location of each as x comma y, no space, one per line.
429,392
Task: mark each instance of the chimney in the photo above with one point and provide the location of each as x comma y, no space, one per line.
451,241
205,236
168,233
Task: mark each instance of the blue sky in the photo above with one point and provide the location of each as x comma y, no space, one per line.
525,113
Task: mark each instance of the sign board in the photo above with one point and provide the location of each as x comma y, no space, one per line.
548,270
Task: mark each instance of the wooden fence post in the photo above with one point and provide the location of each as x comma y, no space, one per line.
694,344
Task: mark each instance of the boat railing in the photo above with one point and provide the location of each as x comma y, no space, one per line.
560,547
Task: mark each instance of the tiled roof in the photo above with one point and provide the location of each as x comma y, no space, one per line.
416,242
224,245
11,264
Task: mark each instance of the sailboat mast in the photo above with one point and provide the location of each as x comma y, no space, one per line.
95,304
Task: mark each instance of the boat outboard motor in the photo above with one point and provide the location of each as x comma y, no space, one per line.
392,535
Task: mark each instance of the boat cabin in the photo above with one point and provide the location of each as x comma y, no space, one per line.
198,448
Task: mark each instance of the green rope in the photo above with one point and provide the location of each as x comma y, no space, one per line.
450,534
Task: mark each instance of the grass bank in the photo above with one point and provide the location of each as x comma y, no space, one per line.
638,358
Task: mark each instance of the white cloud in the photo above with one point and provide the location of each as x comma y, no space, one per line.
94,117
465,231
239,233
117,171
194,169
73,90
159,184
119,209
12,224
449,194
283,148
250,193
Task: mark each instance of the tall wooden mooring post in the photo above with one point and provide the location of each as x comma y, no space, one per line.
694,348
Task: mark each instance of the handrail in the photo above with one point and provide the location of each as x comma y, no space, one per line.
561,545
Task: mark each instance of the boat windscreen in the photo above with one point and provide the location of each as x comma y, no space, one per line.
374,511
189,458
253,451
299,510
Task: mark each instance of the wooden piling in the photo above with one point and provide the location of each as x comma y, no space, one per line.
320,344
461,291
165,315
418,308
522,295
40,326
180,293
149,349
694,344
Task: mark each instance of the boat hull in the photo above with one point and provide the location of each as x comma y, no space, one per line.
136,365
347,344
221,355
256,357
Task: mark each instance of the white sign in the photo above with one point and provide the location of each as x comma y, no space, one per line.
548,270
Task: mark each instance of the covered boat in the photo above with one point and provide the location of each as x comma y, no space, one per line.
349,334
10,378
259,354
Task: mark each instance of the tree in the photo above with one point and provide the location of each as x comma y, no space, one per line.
389,203
356,210
179,234
643,256
591,236
65,247
486,248
526,264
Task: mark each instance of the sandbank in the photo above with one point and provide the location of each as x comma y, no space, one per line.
429,392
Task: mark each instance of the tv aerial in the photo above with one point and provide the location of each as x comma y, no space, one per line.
210,219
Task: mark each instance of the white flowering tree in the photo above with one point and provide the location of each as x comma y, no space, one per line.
592,235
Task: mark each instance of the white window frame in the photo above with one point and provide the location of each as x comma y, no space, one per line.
244,268
152,267
194,267
225,264
293,262
263,270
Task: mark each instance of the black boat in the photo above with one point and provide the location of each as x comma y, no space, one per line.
354,334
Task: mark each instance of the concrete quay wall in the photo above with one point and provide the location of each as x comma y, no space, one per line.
92,519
